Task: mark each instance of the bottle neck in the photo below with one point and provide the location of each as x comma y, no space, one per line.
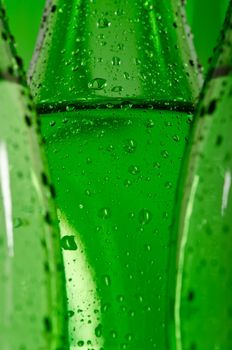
109,51
10,63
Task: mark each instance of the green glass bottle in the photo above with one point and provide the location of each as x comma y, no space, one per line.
203,306
32,286
115,83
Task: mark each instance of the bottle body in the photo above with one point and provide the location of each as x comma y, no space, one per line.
115,172
32,287
204,277
203,284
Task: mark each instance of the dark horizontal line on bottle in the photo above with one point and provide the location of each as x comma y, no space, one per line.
177,106
222,71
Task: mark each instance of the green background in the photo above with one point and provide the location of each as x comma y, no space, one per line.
205,17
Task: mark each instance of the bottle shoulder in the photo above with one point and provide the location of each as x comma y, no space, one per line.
114,51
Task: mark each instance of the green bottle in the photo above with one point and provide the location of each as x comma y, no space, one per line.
115,83
32,286
203,306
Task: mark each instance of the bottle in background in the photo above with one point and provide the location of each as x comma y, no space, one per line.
203,307
32,285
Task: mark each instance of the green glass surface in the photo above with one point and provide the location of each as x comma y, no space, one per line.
112,52
204,278
206,19
115,96
32,286
115,180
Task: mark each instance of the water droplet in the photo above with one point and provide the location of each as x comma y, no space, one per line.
134,169
103,23
150,123
168,184
176,138
117,89
120,298
126,75
127,183
114,334
145,216
137,61
17,222
148,5
70,313
88,193
80,343
105,307
107,280
53,123
116,61
98,331
47,324
97,84
68,243
104,213
148,247
156,165
164,154
110,148
130,146
212,106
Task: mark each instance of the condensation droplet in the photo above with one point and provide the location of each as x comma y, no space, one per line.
17,222
116,61
148,5
134,169
150,123
176,138
126,75
130,146
104,213
80,343
168,185
68,243
107,280
114,334
97,84
98,331
117,89
103,23
164,154
145,216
